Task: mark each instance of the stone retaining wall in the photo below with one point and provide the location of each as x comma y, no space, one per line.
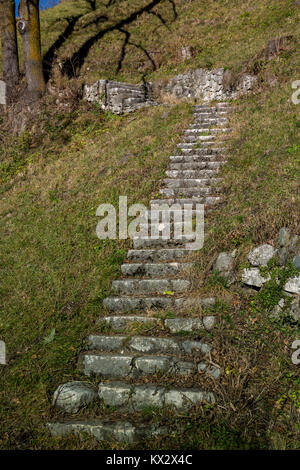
119,97
208,85
201,84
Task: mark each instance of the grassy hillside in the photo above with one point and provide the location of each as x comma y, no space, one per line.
55,272
222,33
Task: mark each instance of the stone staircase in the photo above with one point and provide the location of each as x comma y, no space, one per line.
147,340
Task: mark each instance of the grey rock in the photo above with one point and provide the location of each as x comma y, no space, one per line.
261,255
150,285
183,367
209,370
107,366
190,346
296,261
295,309
153,345
284,237
294,244
189,324
72,396
252,277
147,395
120,322
185,399
118,431
282,256
224,262
129,304
150,365
293,286
115,393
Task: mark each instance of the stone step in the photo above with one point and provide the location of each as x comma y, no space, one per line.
212,131
203,151
129,304
172,230
201,183
174,325
210,113
200,141
141,243
187,192
137,397
150,286
207,142
208,121
167,254
116,431
192,200
199,138
191,174
113,366
195,165
166,214
155,269
147,345
202,158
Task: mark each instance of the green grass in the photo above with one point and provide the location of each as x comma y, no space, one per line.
222,33
57,271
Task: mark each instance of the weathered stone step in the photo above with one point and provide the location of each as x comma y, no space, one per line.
191,200
196,165
117,431
200,158
129,304
195,138
210,113
150,286
208,121
207,142
188,192
201,183
174,325
168,254
113,366
166,215
141,243
155,269
137,397
177,225
147,344
192,150
212,131
191,174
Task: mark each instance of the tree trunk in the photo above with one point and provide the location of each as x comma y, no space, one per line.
10,59
29,28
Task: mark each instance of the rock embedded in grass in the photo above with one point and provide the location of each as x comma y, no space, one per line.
295,309
252,277
296,261
293,285
224,262
261,255
72,396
